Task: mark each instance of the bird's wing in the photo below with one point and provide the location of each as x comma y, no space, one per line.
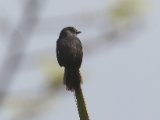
58,52
79,53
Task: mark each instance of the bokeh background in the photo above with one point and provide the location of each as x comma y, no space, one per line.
120,69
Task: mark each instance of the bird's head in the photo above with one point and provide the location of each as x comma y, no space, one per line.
69,31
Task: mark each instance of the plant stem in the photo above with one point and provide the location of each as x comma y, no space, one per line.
81,106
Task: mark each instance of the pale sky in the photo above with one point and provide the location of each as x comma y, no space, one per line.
122,82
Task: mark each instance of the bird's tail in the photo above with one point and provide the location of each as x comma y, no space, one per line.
72,78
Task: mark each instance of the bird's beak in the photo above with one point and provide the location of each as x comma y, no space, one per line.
78,32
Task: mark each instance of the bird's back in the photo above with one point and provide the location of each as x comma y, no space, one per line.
70,52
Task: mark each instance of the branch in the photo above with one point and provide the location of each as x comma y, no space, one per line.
19,39
81,106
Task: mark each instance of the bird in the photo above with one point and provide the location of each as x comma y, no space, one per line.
69,54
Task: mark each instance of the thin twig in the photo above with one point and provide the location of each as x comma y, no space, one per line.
19,39
81,106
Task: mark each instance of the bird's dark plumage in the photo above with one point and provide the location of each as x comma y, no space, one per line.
69,55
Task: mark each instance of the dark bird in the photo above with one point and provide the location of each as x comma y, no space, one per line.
69,55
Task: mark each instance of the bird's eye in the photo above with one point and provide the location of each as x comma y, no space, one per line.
73,30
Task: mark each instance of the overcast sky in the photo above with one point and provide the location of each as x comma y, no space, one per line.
123,83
